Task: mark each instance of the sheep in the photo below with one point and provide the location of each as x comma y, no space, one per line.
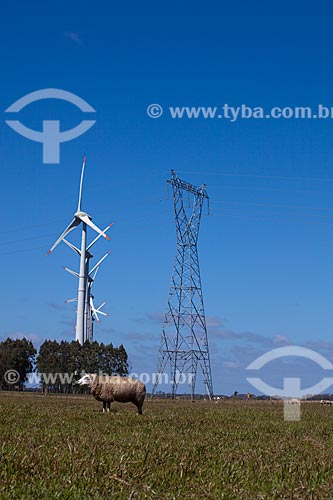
107,389
293,401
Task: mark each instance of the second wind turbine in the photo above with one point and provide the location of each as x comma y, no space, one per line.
86,220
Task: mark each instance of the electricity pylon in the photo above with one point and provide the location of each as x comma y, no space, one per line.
184,342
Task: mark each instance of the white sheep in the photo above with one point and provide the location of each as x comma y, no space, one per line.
294,401
107,389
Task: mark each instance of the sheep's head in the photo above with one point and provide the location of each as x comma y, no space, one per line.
87,379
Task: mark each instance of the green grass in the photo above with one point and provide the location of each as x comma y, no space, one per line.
63,447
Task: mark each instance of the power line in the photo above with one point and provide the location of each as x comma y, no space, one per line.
261,176
254,204
13,242
132,220
272,217
23,228
22,250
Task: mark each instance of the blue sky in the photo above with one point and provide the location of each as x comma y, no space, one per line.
265,251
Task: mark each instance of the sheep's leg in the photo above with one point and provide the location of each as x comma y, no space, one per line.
139,410
104,406
108,406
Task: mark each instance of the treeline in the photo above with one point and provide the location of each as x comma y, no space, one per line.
59,364
74,359
16,361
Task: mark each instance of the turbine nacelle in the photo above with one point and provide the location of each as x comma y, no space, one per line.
81,214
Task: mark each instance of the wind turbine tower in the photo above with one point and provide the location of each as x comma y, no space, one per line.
81,217
90,312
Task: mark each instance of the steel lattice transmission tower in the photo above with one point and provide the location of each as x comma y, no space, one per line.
184,342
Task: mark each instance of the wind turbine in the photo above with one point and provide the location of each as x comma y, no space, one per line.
83,218
93,312
90,312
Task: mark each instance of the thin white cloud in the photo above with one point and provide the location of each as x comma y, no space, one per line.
75,37
281,339
57,307
156,317
232,364
213,322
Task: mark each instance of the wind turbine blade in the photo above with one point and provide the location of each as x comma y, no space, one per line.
75,222
94,276
73,247
100,307
98,310
93,310
85,218
99,262
97,237
101,312
81,184
72,272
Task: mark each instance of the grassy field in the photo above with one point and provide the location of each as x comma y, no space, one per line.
63,447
